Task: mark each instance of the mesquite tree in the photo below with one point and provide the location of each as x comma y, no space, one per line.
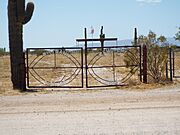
157,57
177,36
18,15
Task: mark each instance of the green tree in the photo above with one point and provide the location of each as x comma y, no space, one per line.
177,35
161,40
2,51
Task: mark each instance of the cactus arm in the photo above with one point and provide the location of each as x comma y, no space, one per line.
28,13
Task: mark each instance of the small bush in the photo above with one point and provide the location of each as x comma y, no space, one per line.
3,51
157,56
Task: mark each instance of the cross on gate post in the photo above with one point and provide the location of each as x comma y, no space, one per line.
86,40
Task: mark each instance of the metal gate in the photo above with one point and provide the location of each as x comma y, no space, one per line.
176,62
54,67
63,67
173,63
107,67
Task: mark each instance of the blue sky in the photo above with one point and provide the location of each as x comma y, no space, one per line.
59,22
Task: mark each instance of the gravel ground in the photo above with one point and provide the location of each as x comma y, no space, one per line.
101,112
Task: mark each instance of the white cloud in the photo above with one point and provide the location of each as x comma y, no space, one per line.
149,1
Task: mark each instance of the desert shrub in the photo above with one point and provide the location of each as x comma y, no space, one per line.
2,51
156,56
177,35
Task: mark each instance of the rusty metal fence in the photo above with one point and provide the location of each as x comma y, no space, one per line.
77,67
173,63
176,62
54,67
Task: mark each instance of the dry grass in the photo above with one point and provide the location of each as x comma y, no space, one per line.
177,63
5,77
144,87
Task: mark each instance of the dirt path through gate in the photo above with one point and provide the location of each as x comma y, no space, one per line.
92,112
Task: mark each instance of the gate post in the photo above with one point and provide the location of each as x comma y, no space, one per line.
135,37
170,63
167,76
140,63
173,63
144,64
140,53
86,65
24,68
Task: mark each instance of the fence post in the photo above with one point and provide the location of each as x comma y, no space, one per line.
173,63
102,36
140,63
23,75
167,77
135,44
170,64
135,37
144,64
86,65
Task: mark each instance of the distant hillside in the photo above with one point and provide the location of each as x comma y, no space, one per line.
173,41
126,42
129,42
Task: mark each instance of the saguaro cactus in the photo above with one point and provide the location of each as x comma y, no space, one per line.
18,15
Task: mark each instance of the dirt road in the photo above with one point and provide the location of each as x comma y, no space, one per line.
101,112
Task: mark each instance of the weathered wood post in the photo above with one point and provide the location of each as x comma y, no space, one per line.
18,15
167,76
170,64
144,64
102,36
135,37
136,44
